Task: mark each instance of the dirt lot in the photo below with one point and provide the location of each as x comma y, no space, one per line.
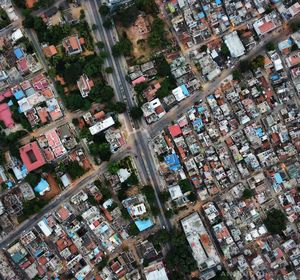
54,188
138,34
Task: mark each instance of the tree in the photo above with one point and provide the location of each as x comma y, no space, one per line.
104,10
136,113
74,101
157,37
124,46
224,50
180,257
82,15
294,26
164,196
100,45
107,93
258,62
94,27
127,16
104,152
93,66
73,168
163,67
147,6
270,46
75,121
32,179
160,238
103,263
247,193
203,48
244,66
185,185
28,21
108,23
133,230
166,87
109,69
236,74
72,72
119,107
275,221
113,167
192,197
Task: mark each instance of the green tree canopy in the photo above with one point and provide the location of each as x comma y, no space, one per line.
157,37
270,46
108,23
247,193
33,179
104,10
258,62
127,16
119,107
180,257
113,167
104,150
224,50
124,46
136,113
73,168
275,221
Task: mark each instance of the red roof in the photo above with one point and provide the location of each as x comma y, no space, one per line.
174,130
138,80
31,156
6,116
266,27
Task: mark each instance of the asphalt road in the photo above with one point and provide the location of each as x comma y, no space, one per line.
124,91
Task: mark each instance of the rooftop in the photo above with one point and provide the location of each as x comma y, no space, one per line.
32,156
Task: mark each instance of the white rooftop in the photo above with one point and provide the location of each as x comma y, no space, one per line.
102,125
156,271
234,44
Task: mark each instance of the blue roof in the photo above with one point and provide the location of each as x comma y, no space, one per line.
259,132
278,178
172,161
143,224
205,8
41,186
24,170
201,15
185,90
198,124
218,2
9,184
274,77
19,94
10,103
18,53
200,109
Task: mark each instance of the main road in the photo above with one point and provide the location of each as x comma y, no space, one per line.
138,134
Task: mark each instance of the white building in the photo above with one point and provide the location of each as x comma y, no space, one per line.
234,44
102,125
45,228
203,249
156,271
